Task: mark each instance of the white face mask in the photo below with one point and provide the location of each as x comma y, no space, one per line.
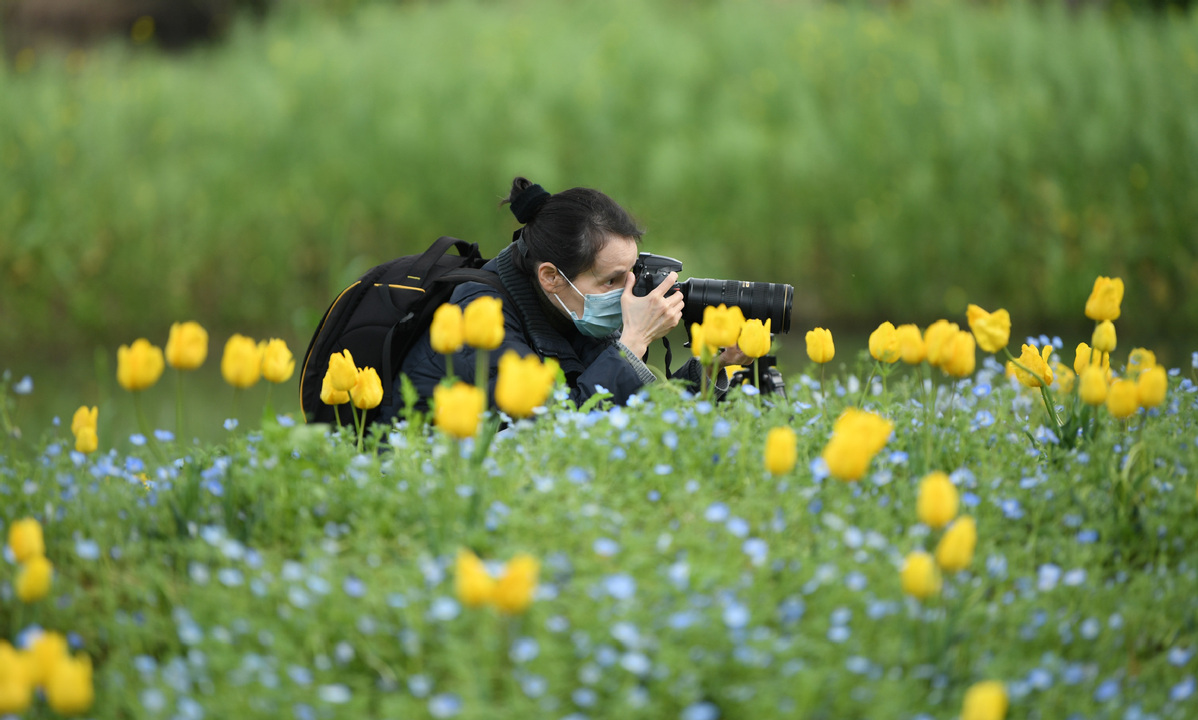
601,312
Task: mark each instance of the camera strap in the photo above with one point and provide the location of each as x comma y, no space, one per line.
669,357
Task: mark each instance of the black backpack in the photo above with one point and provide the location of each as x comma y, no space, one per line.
380,317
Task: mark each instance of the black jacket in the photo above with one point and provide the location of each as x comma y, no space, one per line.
589,364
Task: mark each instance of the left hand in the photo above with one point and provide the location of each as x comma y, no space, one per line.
732,356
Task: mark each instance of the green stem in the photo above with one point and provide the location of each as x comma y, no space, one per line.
141,416
178,405
1045,393
481,369
865,387
449,366
360,421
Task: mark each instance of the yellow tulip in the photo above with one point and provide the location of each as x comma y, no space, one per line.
523,383
938,500
45,652
884,345
241,364
958,354
985,701
781,450
33,580
699,345
1104,337
934,339
445,334
1138,360
16,687
819,345
86,440
474,585
277,361
1083,356
1064,376
847,457
919,576
514,591
138,366
25,540
873,430
1037,362
342,373
457,409
1151,387
186,346
69,690
992,330
911,345
482,323
1122,399
722,324
1105,298
367,392
330,395
85,417
1092,388
954,553
754,338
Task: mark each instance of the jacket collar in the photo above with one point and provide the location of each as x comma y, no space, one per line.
544,338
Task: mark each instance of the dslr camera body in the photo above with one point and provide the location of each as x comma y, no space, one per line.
764,301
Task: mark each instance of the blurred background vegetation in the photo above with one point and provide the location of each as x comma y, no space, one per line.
892,162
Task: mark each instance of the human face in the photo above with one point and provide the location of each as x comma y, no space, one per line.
612,265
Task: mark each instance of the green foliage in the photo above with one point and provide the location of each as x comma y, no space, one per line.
279,571
891,164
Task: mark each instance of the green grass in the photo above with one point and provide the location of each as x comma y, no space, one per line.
891,164
276,572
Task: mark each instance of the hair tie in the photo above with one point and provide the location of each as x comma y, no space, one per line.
528,203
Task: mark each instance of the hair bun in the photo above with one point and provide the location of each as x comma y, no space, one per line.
528,203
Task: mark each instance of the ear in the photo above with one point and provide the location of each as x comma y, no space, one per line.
548,277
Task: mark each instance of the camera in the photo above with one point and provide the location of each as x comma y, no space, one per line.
761,300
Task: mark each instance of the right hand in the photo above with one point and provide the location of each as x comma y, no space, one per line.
650,317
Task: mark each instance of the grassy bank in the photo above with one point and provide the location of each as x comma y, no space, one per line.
880,161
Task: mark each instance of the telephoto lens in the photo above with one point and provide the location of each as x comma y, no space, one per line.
761,300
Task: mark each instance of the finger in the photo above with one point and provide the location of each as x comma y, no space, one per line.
629,281
665,285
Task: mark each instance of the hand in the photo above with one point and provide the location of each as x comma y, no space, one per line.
650,317
733,356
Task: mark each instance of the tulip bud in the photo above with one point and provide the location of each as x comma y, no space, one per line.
754,338
86,440
1105,298
959,355
138,366
1037,363
25,540
367,392
45,652
919,576
992,330
16,685
722,325
819,346
938,500
911,345
955,550
523,384
342,372
1139,360
241,364
1151,387
1104,337
277,361
1083,356
936,337
445,334
699,346
85,417
33,581
883,344
482,323
985,701
1064,376
186,346
457,409
1092,387
1122,399
514,591
474,585
69,691
781,450
330,395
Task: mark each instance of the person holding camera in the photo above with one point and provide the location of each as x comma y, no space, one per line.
568,277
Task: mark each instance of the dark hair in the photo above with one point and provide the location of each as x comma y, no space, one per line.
569,228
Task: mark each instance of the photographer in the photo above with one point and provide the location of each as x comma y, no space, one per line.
568,275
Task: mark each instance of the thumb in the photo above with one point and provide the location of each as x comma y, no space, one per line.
629,281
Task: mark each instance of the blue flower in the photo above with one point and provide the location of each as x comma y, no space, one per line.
605,547
1182,690
24,386
620,586
700,711
716,512
335,694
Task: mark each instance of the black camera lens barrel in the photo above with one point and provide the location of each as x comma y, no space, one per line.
759,300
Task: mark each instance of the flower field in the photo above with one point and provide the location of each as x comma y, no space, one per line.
925,533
